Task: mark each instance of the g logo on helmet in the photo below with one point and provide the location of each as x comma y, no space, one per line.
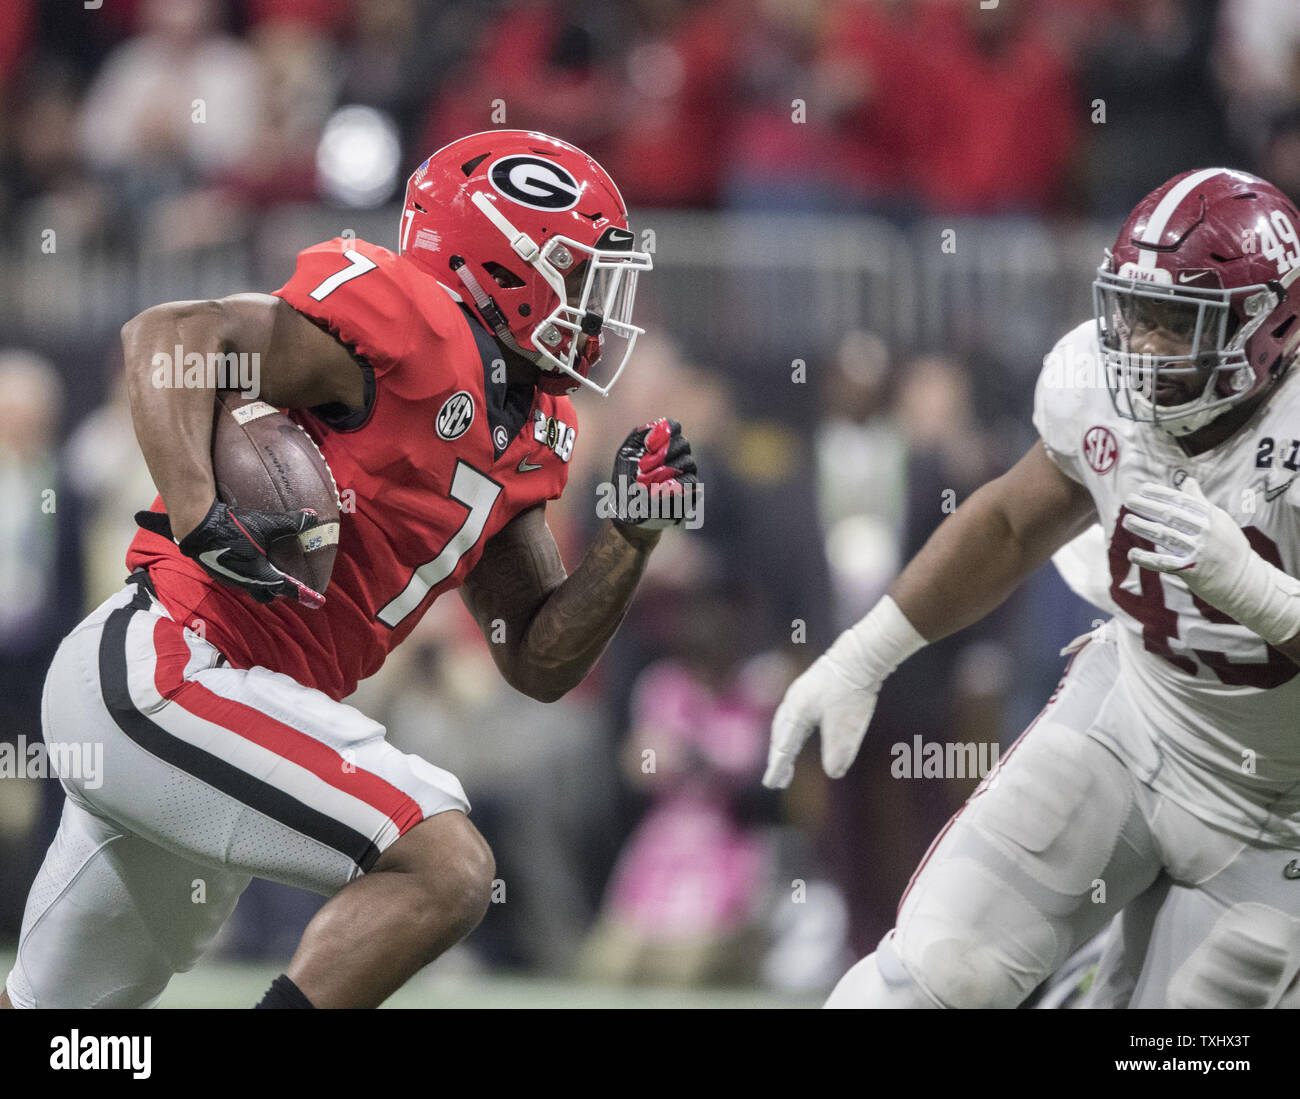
534,182
455,416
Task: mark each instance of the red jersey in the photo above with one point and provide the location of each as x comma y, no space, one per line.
441,458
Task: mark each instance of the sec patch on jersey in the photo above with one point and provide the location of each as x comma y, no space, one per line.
1100,448
455,416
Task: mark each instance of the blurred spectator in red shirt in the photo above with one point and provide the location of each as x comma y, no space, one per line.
932,104
994,118
868,70
15,42
783,146
679,73
326,16
646,88
543,65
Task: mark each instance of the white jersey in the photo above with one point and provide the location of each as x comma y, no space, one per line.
1203,709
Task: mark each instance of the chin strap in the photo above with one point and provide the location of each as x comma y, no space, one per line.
490,311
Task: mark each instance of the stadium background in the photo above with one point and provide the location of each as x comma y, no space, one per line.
869,218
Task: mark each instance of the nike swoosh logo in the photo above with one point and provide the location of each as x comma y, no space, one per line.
1190,276
1277,490
525,466
211,559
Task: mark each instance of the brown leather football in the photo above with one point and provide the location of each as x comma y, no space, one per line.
261,459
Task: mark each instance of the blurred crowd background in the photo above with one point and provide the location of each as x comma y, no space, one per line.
870,220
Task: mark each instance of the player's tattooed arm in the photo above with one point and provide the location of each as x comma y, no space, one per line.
545,628
298,365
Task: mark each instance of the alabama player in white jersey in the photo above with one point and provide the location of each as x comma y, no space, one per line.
1160,785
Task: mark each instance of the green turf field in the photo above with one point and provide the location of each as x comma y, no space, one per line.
229,984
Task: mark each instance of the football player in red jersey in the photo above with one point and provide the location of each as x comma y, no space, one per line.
435,381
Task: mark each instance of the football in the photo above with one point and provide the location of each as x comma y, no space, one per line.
261,459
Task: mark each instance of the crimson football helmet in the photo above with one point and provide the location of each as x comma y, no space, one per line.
532,234
1208,260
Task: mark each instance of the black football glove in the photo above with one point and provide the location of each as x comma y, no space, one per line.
231,545
658,457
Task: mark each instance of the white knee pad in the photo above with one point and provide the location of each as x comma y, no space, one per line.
969,936
963,974
880,980
1250,958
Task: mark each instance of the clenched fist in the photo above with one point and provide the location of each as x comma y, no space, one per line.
655,480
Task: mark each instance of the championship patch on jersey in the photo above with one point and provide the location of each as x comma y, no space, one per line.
1281,458
555,434
1100,449
455,416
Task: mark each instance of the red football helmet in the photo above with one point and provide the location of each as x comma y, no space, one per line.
1208,259
535,233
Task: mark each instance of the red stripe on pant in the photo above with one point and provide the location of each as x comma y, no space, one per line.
173,654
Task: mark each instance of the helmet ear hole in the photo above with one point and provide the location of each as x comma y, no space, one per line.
504,277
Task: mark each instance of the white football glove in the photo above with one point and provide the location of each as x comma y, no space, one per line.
838,693
1203,544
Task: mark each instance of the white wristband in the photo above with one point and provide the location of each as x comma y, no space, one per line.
870,651
1265,600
